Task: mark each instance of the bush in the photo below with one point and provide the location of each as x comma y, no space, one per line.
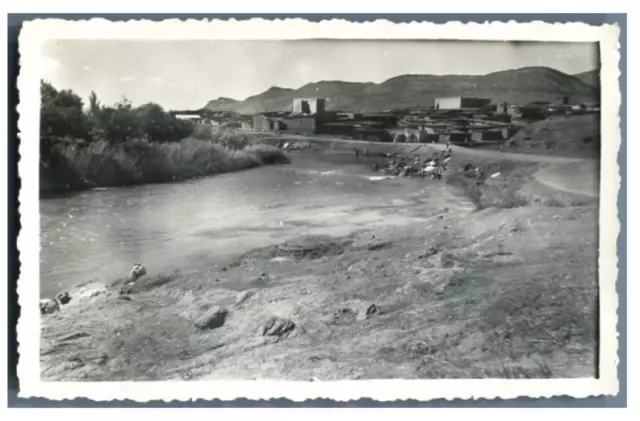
229,138
103,164
125,145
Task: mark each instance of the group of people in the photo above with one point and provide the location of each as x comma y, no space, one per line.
434,166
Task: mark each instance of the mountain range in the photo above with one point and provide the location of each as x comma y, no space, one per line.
518,86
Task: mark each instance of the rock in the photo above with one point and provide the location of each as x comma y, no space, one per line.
278,327
343,315
447,260
63,298
136,272
430,251
212,319
91,292
378,245
244,296
48,306
148,283
367,311
74,336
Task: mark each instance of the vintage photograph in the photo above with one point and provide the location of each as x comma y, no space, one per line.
318,209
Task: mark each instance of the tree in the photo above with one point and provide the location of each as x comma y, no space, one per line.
119,123
160,126
61,114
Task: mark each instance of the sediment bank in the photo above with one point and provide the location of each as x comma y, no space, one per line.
483,289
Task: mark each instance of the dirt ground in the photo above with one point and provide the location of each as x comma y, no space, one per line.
575,136
500,287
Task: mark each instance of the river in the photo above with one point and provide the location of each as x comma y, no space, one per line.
99,234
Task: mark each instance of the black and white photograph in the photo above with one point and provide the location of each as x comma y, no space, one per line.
318,210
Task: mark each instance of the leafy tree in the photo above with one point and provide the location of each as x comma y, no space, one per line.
118,123
160,126
61,113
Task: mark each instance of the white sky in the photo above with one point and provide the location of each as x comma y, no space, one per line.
187,74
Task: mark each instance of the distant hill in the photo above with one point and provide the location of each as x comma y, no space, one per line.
222,104
518,86
591,77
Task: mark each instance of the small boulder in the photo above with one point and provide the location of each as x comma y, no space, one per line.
344,315
63,298
244,296
278,327
367,311
430,251
136,272
48,306
447,260
378,245
212,319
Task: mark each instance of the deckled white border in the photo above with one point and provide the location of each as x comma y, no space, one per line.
34,33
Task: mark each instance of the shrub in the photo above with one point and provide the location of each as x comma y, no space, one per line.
103,164
125,145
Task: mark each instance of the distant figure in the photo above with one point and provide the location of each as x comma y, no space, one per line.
357,153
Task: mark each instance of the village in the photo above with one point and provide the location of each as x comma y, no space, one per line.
463,121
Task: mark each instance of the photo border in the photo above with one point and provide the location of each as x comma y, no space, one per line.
621,151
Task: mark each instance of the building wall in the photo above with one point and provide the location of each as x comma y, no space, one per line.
453,103
309,105
300,125
457,103
261,123
475,102
293,124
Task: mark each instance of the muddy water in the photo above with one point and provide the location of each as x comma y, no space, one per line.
99,234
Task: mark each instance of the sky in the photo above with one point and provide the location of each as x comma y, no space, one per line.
187,74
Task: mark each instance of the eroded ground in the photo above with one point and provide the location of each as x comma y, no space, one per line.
471,291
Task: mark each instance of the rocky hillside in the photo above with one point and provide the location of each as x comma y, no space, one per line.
517,86
222,104
592,77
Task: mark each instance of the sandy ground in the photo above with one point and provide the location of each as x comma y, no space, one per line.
501,283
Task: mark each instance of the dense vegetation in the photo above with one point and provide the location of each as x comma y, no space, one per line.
106,146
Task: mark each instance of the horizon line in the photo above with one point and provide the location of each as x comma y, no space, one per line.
401,75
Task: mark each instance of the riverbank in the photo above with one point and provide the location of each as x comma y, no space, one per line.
71,167
497,288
